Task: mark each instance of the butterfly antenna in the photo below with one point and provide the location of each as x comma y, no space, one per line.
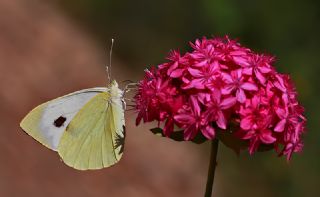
108,67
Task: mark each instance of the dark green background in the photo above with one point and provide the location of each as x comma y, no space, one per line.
146,30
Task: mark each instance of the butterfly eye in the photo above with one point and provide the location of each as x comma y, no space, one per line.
59,121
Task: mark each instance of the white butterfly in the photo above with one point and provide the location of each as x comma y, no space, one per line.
86,128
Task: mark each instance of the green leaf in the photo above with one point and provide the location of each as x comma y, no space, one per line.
236,144
226,137
229,140
178,136
157,131
265,147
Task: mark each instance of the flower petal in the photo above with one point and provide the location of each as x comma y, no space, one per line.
190,132
195,72
240,61
264,69
208,132
184,118
172,67
221,120
259,76
280,126
249,86
201,64
249,134
241,97
204,98
246,123
168,127
213,67
266,137
227,89
254,144
198,84
195,83
195,105
228,102
176,73
247,71
227,78
282,113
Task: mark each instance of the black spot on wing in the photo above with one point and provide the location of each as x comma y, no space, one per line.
120,140
59,121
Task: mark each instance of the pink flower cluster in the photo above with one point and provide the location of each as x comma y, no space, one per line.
221,83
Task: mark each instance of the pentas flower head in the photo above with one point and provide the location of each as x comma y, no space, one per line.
222,85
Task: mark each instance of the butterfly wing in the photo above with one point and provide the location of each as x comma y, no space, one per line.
47,122
94,139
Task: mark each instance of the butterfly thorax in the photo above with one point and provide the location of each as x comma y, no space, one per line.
114,90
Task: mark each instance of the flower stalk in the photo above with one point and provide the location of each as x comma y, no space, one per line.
212,167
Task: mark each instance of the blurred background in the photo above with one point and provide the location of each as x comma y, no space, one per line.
50,48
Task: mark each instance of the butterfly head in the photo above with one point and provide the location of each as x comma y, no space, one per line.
113,84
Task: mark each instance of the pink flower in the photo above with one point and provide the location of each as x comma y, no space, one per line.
221,82
259,66
284,84
201,76
192,120
157,94
203,53
254,114
177,65
256,137
231,51
236,82
256,119
216,82
216,107
292,148
283,114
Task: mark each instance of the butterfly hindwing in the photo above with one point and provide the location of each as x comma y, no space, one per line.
47,122
91,140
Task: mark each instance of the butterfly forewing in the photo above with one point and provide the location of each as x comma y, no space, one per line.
48,121
91,140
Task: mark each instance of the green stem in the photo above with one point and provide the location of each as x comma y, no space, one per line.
212,167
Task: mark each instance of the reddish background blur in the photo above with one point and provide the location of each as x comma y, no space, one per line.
51,48
43,55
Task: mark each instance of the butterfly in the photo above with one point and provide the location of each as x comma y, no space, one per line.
86,128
